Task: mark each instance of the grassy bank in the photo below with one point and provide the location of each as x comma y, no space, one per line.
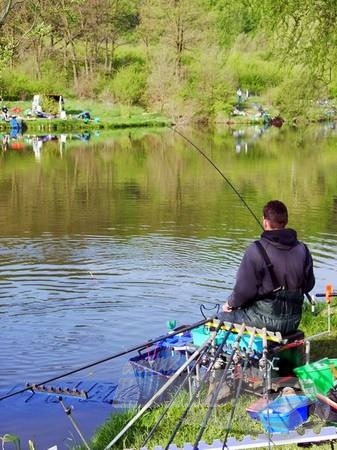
102,116
242,425
107,115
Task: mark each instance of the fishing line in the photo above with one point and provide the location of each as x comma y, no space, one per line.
230,184
116,355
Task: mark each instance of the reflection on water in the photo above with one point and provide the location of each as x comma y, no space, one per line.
15,141
246,137
106,237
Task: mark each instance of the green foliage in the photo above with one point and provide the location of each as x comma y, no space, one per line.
234,18
49,105
305,90
207,84
129,56
129,84
19,85
253,73
166,55
16,85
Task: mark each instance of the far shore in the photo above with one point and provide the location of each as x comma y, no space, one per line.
106,115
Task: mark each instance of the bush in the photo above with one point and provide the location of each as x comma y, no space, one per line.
16,86
19,85
49,105
305,90
254,73
129,84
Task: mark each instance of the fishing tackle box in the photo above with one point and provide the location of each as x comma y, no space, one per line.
202,333
285,413
317,377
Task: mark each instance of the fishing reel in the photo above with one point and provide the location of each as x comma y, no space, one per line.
218,362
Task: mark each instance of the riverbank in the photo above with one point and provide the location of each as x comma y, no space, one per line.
251,110
97,116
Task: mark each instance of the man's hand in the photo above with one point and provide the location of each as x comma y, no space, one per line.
226,307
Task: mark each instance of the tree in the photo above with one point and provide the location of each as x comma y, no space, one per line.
305,31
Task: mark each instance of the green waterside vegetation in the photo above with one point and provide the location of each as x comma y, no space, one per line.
103,116
242,424
182,61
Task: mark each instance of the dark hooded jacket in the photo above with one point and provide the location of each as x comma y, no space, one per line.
253,290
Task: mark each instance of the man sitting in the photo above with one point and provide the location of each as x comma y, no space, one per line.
274,274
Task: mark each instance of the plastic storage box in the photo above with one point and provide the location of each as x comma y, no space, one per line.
316,377
256,407
201,334
284,413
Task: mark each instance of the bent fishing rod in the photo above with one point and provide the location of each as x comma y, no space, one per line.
227,180
146,344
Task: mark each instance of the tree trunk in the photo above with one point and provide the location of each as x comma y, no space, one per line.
86,61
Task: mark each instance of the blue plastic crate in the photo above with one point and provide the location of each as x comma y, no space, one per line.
201,334
284,413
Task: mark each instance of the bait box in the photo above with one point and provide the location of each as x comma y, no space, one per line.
285,413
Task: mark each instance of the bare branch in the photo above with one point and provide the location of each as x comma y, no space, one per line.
6,9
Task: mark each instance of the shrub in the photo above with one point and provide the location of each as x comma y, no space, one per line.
16,86
254,73
129,84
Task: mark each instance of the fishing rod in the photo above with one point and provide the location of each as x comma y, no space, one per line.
174,396
161,390
217,390
238,390
230,184
197,391
146,344
265,367
187,377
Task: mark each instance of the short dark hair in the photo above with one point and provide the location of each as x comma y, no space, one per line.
276,212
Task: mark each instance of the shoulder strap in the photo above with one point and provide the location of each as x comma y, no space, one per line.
306,264
270,267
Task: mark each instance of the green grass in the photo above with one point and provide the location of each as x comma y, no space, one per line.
134,438
104,115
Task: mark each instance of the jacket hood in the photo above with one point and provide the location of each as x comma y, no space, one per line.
284,238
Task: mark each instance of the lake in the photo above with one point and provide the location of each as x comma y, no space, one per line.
106,237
